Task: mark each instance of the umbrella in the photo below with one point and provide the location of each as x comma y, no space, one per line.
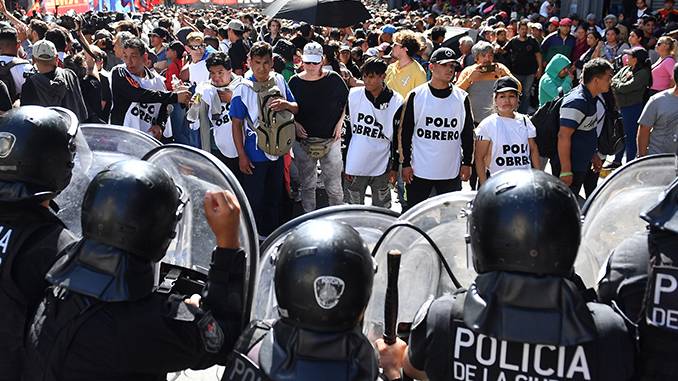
336,13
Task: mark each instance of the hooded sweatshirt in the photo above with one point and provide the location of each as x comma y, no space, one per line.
60,87
550,83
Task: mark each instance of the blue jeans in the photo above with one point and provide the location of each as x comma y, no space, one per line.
263,189
630,116
526,81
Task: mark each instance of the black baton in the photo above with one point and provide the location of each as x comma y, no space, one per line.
391,298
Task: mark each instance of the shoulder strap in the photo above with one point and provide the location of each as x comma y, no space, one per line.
406,102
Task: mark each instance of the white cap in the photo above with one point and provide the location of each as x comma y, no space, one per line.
313,52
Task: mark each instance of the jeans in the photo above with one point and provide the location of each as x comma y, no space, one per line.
526,81
331,166
420,189
381,191
263,189
630,116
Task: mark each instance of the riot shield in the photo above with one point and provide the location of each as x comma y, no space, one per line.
106,144
612,212
422,274
369,221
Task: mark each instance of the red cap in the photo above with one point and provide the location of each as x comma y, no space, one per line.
566,22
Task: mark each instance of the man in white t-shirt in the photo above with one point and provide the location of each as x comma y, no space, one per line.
505,139
374,110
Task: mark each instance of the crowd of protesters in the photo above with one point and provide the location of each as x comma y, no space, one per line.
397,100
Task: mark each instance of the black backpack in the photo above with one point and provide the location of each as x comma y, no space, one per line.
611,140
6,76
547,122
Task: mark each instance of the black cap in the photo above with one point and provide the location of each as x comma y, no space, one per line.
638,52
443,56
506,84
160,32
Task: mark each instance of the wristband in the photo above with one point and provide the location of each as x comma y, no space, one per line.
566,174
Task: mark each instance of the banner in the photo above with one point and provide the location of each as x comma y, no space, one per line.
63,6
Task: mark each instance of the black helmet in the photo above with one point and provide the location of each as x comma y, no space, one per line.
525,221
664,214
37,148
134,206
323,278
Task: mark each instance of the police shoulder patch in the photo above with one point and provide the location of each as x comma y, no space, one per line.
211,334
328,291
7,141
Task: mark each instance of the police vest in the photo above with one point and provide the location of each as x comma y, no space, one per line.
143,116
369,150
257,357
658,323
20,232
456,352
436,142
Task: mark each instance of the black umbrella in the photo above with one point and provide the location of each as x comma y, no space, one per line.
336,13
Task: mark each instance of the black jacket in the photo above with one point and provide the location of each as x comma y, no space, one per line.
60,87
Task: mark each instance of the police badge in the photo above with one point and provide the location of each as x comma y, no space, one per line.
7,141
328,291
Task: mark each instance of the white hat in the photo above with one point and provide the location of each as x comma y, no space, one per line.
313,53
236,25
44,50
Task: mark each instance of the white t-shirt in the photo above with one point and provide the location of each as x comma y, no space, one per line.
198,73
436,142
544,9
143,116
371,134
508,141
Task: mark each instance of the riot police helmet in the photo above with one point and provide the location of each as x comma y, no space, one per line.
37,150
323,278
664,214
525,221
134,206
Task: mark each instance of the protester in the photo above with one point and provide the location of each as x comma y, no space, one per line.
557,79
405,74
321,96
526,63
560,41
505,139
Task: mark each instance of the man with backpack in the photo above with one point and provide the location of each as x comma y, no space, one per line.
12,68
262,172
577,135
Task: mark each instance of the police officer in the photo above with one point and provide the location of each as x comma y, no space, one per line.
323,281
522,318
37,148
642,279
436,133
103,319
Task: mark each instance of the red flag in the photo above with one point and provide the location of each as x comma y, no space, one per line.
34,8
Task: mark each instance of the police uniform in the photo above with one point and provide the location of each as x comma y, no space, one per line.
31,236
37,146
447,347
437,139
322,295
525,316
641,278
103,319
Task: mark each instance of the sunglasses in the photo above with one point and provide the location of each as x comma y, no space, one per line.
196,47
311,63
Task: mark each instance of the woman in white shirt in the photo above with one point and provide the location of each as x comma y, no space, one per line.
505,139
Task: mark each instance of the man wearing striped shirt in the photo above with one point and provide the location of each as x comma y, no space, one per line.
577,137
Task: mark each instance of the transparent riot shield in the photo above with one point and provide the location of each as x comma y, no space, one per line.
106,144
612,212
422,274
369,221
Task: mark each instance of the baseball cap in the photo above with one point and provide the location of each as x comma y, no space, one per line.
638,52
44,50
160,32
554,20
372,52
102,33
343,48
443,56
506,84
388,28
236,25
565,22
536,25
313,52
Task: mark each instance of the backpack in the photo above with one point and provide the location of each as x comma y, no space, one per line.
6,76
276,131
547,122
611,140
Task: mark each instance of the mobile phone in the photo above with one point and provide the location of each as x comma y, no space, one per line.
488,68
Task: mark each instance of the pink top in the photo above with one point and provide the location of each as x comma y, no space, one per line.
662,73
